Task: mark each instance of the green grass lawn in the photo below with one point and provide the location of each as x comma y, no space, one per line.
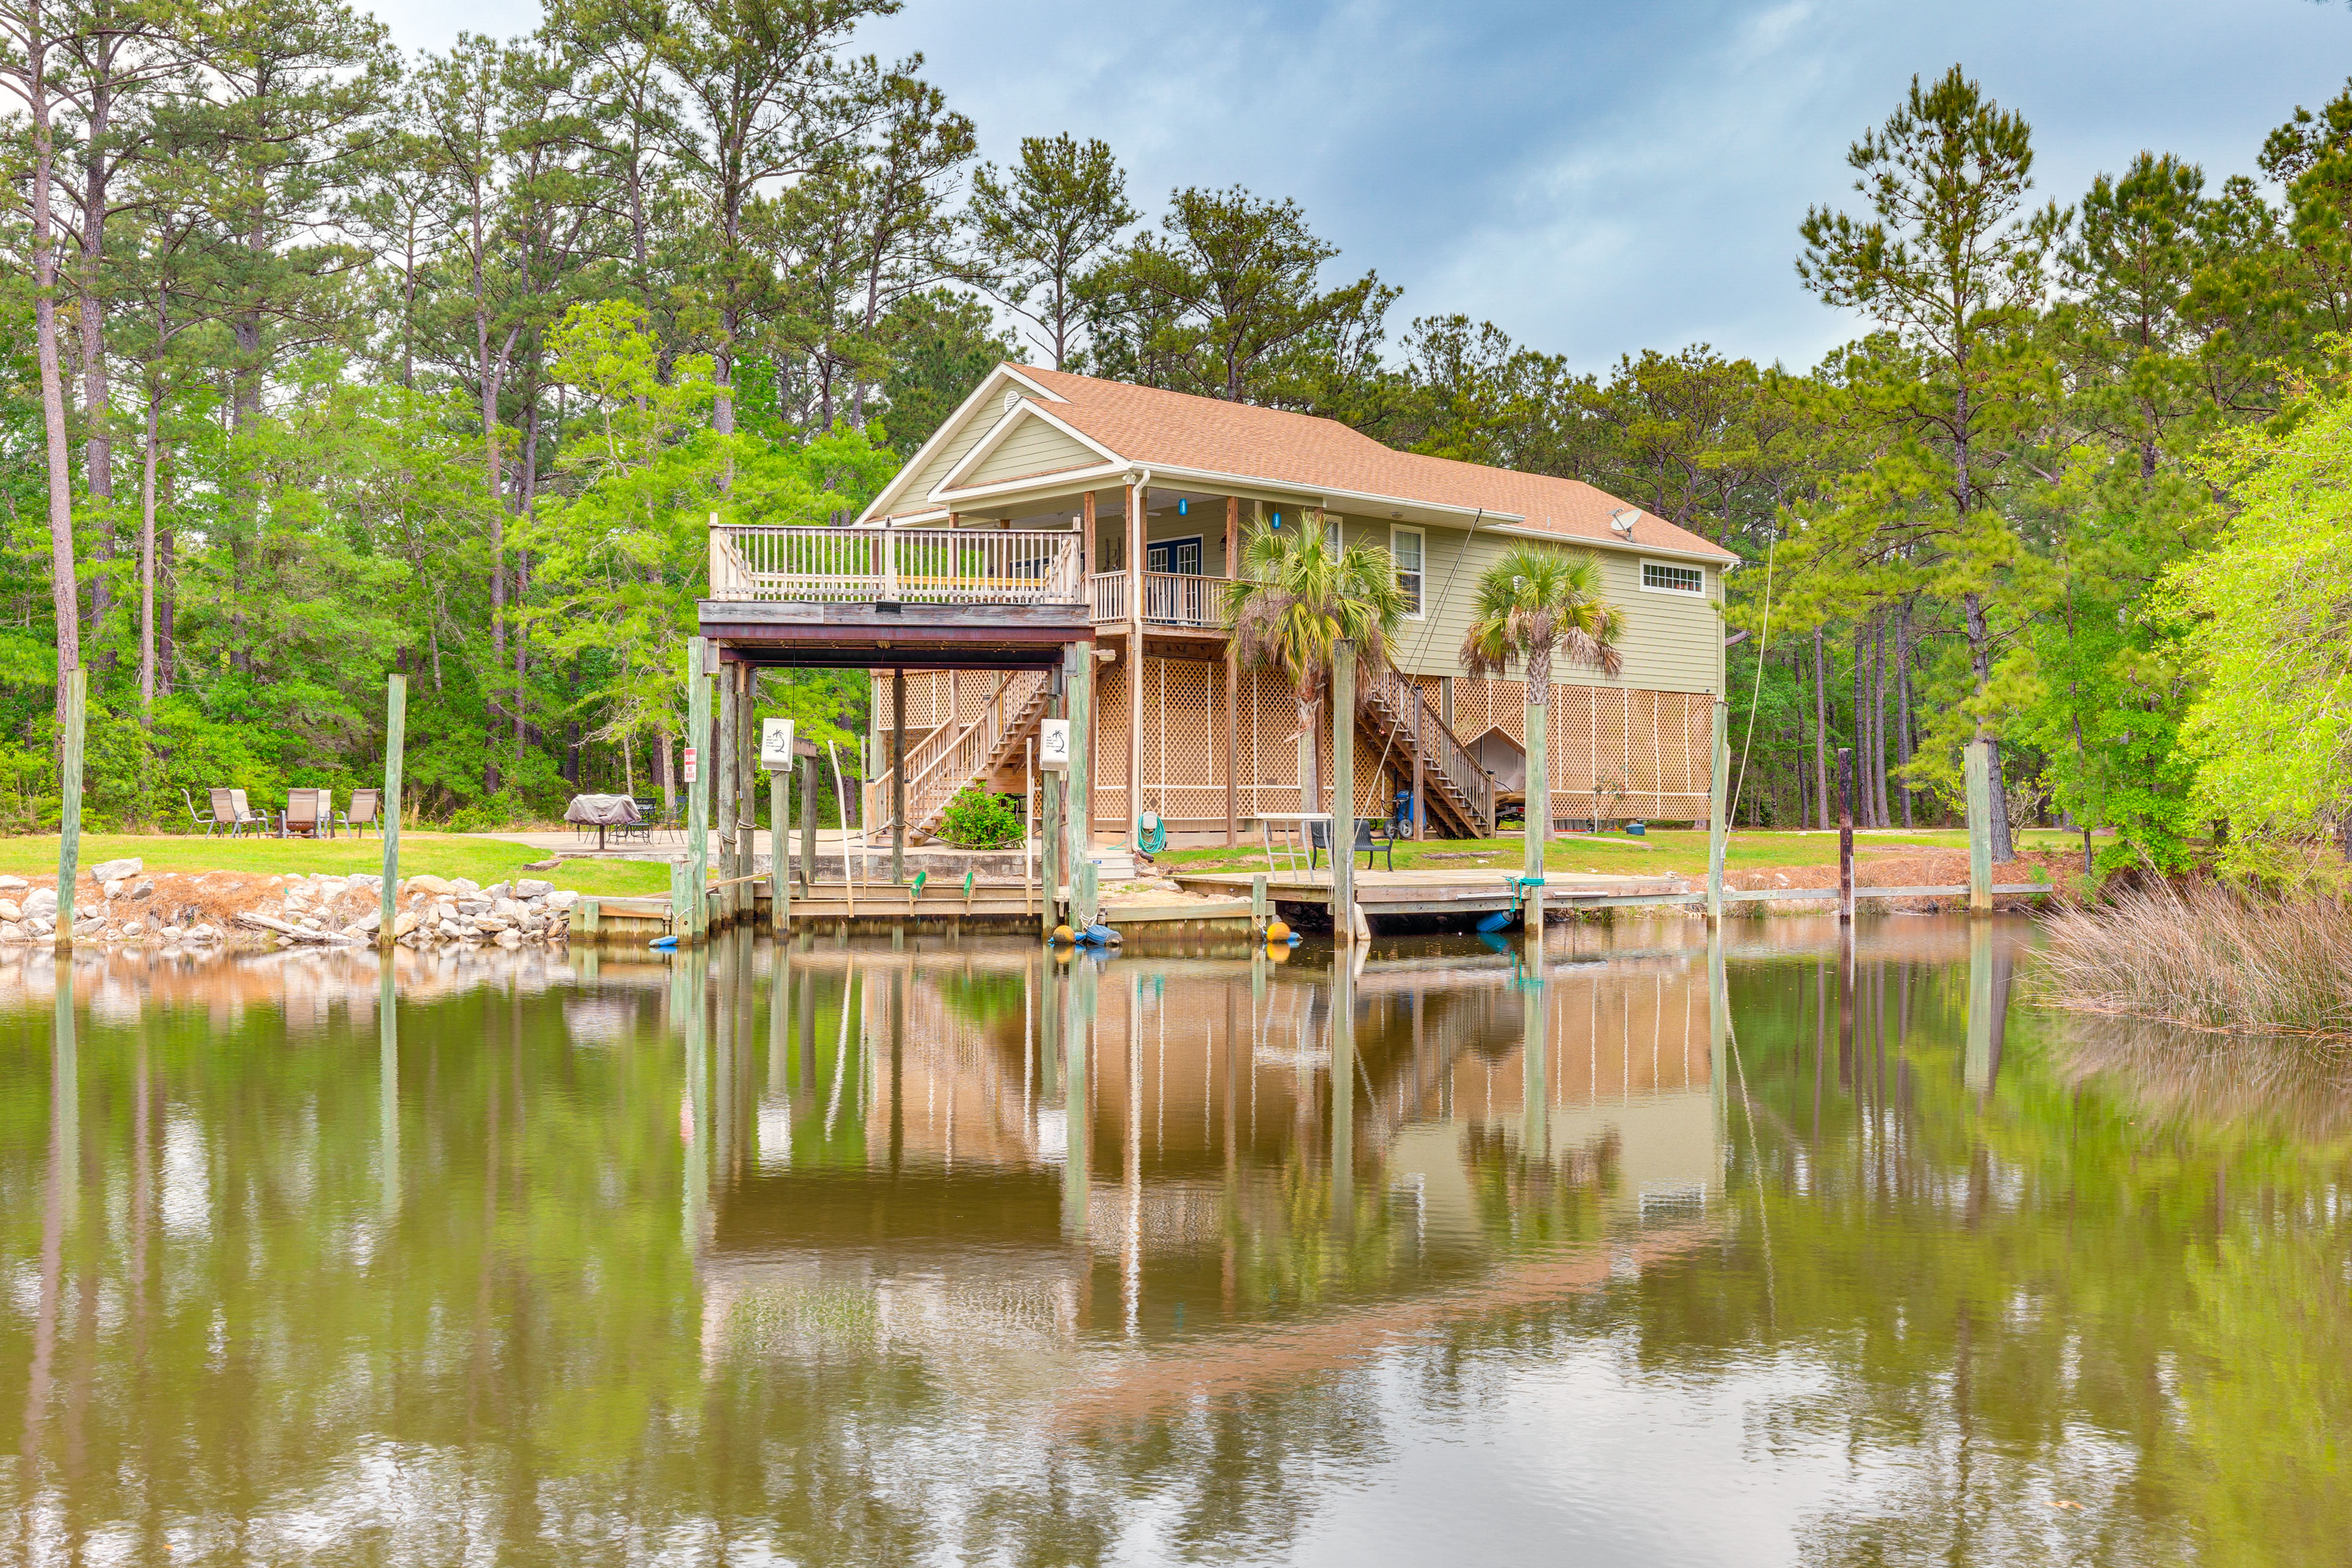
483,860
1664,852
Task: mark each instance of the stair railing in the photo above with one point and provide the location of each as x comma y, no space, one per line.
1442,752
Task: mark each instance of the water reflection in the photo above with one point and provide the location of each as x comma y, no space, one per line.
970,1252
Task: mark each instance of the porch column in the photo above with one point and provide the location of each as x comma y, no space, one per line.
1135,529
898,776
724,785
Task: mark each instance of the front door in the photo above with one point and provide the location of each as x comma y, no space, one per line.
1167,602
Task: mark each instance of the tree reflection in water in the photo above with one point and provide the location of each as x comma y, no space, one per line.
966,1251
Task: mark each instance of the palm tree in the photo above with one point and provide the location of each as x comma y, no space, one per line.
1298,595
1538,604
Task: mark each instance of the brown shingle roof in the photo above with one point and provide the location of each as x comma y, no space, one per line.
1175,429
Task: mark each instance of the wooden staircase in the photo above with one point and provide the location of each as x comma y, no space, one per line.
1457,795
958,754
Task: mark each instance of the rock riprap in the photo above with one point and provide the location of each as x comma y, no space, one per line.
117,904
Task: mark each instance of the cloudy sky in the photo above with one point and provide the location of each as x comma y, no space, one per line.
1595,177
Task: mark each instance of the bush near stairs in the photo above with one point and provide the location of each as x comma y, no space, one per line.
978,820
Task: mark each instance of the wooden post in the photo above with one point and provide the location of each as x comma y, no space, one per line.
1078,666
1086,895
1137,525
1050,843
698,793
808,823
1090,561
1343,791
727,790
898,775
1535,816
681,908
747,768
1719,825
1261,905
69,807
592,916
1233,684
1420,744
1978,756
1846,835
395,737
780,848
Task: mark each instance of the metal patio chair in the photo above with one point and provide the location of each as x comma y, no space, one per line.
230,811
365,809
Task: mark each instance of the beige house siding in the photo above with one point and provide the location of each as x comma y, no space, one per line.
1672,642
960,442
1036,447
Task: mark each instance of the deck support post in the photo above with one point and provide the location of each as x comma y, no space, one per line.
1261,904
1846,835
695,915
1233,684
1137,527
1053,845
1078,678
1978,757
1343,791
747,790
1719,825
726,791
898,775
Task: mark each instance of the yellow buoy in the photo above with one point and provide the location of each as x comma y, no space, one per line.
1277,931
1064,934
1277,951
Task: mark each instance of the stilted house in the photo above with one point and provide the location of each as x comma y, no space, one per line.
1124,510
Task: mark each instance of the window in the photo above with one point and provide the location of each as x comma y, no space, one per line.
1659,577
1406,545
1181,556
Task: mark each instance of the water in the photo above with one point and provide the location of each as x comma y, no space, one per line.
961,1254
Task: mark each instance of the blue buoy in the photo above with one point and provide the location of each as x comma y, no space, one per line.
1496,921
668,943
1099,936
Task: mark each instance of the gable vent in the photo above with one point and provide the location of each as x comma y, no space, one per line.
1012,400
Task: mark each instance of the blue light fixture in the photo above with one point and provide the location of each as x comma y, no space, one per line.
1277,520
1183,507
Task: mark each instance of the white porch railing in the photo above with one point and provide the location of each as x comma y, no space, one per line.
911,565
1169,599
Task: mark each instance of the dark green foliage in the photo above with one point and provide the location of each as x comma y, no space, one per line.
976,819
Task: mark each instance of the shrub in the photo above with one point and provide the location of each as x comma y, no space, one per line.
979,820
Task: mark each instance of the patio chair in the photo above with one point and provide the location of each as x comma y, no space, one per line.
197,818
301,819
364,810
1374,836
230,811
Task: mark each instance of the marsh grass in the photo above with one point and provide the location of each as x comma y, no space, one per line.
2207,956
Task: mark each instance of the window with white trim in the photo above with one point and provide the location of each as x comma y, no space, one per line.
1665,577
1410,550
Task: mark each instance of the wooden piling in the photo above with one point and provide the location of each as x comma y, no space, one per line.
1078,665
1978,757
899,776
70,811
695,918
780,848
726,791
1846,835
1261,905
395,741
1719,824
1343,791
808,822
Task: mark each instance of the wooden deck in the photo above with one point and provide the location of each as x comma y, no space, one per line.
1479,893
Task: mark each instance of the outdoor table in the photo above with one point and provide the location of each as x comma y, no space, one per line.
1295,834
605,811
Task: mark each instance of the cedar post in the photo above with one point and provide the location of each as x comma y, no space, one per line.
780,847
808,821
1419,824
1078,673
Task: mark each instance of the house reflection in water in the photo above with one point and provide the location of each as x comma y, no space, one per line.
1007,1165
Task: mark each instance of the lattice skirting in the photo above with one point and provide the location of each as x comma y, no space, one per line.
1631,752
